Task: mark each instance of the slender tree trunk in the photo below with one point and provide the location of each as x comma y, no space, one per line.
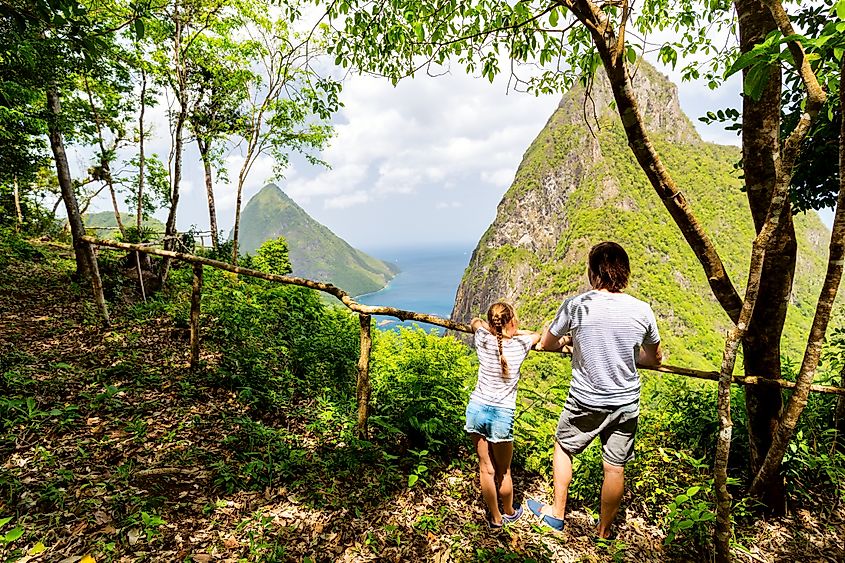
839,414
105,167
86,262
836,257
209,189
364,387
139,212
761,344
178,132
196,298
236,229
19,223
82,250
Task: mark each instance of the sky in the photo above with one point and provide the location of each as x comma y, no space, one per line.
424,163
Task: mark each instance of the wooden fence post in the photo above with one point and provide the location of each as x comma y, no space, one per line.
97,284
196,295
364,387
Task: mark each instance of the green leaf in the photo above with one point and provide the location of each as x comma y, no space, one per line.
692,490
14,534
840,9
62,365
139,29
685,524
681,499
4,521
553,17
631,54
36,549
412,480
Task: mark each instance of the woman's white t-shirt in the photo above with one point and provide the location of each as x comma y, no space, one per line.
493,387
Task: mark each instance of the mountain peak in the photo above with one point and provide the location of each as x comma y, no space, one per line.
315,251
657,99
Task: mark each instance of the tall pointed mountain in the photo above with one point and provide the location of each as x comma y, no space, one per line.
315,252
579,184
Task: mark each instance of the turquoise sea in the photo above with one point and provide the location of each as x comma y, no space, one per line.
427,283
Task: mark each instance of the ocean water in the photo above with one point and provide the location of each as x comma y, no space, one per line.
427,283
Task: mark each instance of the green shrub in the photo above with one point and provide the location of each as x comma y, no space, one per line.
421,383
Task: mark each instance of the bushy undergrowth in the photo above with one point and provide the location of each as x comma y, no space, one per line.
421,385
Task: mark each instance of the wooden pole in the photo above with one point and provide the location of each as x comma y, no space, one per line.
364,388
18,213
97,284
196,295
140,275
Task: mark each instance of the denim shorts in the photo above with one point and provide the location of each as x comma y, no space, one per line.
616,426
495,424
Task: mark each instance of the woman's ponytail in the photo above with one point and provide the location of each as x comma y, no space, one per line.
499,315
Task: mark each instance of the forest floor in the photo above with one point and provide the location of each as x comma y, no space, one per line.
112,450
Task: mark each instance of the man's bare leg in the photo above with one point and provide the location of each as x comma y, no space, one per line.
611,497
562,479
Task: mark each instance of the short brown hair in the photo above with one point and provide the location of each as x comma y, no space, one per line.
609,267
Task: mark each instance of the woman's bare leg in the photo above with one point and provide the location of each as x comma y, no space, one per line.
502,455
487,475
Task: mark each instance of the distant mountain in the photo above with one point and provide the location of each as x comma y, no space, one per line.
580,185
315,252
106,225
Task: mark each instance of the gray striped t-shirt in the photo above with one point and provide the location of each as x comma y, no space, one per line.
493,387
607,331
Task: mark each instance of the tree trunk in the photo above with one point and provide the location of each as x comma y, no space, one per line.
839,414
209,189
19,222
182,95
139,213
86,262
196,298
82,250
761,344
364,388
236,229
836,257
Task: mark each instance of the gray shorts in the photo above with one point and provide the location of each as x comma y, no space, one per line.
579,424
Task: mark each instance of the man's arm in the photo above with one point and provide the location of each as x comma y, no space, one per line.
650,355
552,343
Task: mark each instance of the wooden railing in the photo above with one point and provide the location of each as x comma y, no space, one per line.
365,313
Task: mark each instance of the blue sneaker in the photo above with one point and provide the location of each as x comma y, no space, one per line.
517,514
536,508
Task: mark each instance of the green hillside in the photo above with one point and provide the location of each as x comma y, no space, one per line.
315,252
105,223
573,190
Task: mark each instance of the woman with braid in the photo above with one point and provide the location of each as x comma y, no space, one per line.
501,348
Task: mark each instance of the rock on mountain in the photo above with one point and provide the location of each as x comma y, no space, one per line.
315,252
579,184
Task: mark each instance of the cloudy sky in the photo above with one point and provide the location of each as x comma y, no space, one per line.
424,163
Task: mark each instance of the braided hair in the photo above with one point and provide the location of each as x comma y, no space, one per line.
499,315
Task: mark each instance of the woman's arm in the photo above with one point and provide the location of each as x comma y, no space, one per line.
477,323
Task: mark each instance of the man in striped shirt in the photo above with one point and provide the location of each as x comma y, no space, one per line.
610,332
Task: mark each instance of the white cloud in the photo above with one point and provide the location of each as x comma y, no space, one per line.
347,200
